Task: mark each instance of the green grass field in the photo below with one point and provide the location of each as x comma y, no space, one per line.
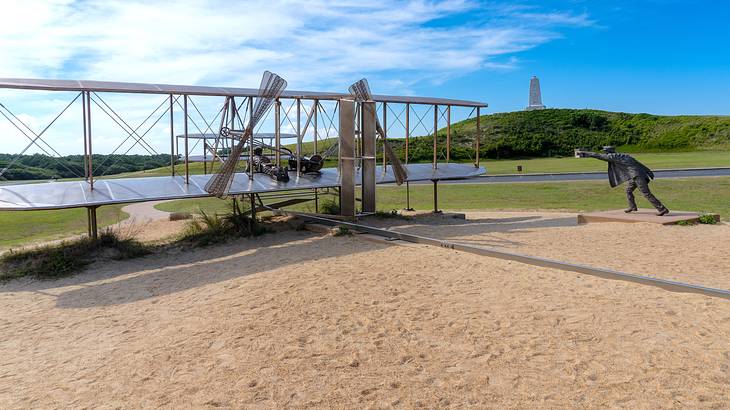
705,194
697,194
695,159
26,227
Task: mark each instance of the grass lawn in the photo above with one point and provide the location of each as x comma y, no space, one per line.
25,227
696,194
696,159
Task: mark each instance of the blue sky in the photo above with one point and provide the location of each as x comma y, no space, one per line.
657,56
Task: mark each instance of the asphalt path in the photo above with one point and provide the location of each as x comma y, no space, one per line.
583,176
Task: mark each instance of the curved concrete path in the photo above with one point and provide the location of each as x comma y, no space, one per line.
141,212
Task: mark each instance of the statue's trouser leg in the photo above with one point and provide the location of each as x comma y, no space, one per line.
644,188
630,187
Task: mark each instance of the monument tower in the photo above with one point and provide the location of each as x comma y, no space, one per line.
535,95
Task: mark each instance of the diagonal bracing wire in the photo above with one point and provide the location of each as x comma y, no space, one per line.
208,126
129,134
128,129
133,145
38,136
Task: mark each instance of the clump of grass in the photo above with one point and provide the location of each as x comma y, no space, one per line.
180,216
68,257
708,219
342,231
210,229
329,207
392,214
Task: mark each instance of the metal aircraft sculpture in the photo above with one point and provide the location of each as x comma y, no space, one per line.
300,172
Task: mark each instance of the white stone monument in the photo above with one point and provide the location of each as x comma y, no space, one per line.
535,95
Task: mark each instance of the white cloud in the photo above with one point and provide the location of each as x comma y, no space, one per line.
315,44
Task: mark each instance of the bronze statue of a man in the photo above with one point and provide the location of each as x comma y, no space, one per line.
625,168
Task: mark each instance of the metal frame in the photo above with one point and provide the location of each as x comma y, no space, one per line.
323,120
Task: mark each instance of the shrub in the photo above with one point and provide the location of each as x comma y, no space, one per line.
211,229
343,231
180,216
68,257
329,207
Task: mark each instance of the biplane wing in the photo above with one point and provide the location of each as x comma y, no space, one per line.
76,194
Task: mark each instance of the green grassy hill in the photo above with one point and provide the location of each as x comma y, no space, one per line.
556,132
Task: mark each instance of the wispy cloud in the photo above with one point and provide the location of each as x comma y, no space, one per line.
314,44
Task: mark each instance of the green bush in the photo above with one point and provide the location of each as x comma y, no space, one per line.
342,231
68,257
556,132
213,228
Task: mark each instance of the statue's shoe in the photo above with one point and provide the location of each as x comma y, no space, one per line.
662,212
629,210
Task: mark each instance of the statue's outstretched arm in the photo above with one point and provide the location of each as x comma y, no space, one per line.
588,154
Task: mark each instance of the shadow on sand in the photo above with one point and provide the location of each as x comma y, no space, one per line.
172,272
478,231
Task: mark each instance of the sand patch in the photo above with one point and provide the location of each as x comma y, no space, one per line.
695,254
298,320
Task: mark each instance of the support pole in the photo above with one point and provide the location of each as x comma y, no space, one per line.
479,133
250,147
205,156
91,152
347,158
436,197
172,138
435,135
86,148
369,157
92,223
252,197
187,157
316,133
315,108
299,136
233,111
448,133
408,133
277,132
385,134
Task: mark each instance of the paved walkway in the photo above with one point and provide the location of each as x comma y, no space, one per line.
144,212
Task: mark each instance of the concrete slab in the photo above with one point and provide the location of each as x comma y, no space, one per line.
643,215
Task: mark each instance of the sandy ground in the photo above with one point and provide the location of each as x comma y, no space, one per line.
299,320
697,254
